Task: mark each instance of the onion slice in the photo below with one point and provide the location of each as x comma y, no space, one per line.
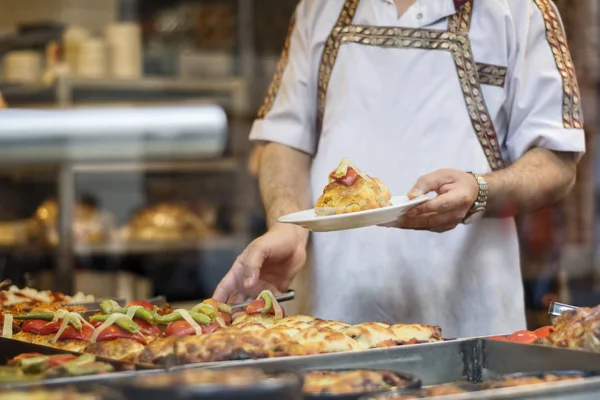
274,303
65,322
132,310
109,321
185,314
7,326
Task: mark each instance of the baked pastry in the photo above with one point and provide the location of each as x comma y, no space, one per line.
90,225
165,223
351,190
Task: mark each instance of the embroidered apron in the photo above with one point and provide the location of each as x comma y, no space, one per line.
467,280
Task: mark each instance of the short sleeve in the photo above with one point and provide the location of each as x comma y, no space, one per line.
543,104
288,115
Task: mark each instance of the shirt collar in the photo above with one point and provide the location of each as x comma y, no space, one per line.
429,11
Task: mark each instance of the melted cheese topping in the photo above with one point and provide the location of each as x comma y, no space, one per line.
370,334
325,340
425,333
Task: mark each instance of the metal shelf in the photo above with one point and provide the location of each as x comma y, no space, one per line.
149,248
67,90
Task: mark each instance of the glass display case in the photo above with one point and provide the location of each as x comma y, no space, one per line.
120,202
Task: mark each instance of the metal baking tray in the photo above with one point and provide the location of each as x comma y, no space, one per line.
10,348
456,361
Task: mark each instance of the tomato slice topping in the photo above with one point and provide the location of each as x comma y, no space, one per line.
34,326
60,359
115,332
544,331
183,328
142,303
257,306
523,337
347,179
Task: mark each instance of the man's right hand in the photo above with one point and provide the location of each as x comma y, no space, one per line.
269,262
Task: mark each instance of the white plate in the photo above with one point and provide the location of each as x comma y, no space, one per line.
309,219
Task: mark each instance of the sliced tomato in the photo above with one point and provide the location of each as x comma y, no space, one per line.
498,338
544,331
142,303
146,328
183,328
60,359
523,337
179,328
349,178
257,306
115,332
34,326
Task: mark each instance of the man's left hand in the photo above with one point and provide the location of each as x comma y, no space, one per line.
457,191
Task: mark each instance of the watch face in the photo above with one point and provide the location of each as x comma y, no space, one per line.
476,216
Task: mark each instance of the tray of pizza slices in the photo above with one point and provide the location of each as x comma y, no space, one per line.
173,341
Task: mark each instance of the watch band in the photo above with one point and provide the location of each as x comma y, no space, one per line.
480,204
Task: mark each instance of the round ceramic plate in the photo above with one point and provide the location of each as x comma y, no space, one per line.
309,219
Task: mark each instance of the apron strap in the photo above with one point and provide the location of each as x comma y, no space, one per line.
461,21
329,57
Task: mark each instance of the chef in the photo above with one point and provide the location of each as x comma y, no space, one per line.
475,100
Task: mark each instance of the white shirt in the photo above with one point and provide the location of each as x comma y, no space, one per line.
400,112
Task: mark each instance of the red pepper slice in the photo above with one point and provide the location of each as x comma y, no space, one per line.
257,306
115,332
146,328
34,326
60,359
523,337
544,331
347,179
183,328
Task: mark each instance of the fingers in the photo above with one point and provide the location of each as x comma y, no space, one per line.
441,204
431,182
243,275
226,288
252,260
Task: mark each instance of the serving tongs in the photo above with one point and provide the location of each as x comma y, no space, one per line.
287,296
556,309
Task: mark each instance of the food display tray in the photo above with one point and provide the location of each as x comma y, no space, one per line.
455,361
10,348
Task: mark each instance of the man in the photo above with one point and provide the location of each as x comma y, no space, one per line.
477,97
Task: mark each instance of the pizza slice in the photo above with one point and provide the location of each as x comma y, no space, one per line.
351,190
416,333
234,344
61,329
372,334
317,340
264,310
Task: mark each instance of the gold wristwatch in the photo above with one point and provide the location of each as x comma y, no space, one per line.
477,210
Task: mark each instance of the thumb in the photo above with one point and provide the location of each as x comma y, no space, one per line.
429,183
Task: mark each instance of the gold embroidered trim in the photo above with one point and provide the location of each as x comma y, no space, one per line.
458,45
461,21
571,107
493,75
329,56
276,81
